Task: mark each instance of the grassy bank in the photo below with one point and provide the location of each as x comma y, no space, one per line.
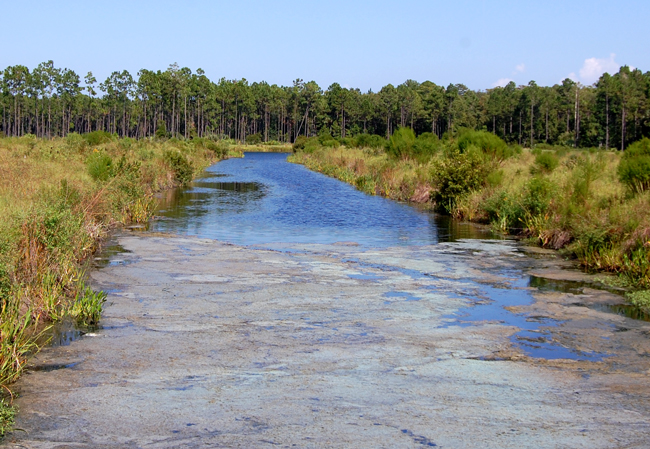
263,147
58,199
592,205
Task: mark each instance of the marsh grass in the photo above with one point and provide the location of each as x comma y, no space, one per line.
58,200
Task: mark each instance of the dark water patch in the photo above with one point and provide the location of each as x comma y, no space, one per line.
242,187
47,367
108,253
65,332
450,230
419,439
626,310
568,286
544,284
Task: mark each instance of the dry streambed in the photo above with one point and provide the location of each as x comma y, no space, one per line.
205,344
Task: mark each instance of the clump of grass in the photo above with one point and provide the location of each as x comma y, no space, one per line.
7,416
87,306
641,299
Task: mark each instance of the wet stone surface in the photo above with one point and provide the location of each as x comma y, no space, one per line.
207,344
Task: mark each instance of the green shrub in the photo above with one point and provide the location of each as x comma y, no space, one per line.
400,144
504,211
254,139
76,142
299,143
487,142
310,144
459,173
346,141
369,141
538,195
495,179
332,143
180,165
545,162
97,138
126,143
426,145
100,166
161,130
634,168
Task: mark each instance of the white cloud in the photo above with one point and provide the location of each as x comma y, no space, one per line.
594,67
501,82
521,68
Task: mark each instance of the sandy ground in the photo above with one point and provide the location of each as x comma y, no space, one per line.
206,344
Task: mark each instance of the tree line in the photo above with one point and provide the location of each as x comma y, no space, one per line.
49,101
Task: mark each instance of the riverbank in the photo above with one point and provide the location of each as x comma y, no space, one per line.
265,147
569,200
58,199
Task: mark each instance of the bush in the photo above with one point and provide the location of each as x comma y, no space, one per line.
310,144
161,130
76,142
538,195
369,141
100,166
97,138
180,165
426,145
459,173
487,142
634,168
545,162
400,144
254,139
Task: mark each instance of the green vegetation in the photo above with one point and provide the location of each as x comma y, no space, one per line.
47,101
581,202
58,199
453,148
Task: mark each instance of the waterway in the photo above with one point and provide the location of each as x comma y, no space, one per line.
270,306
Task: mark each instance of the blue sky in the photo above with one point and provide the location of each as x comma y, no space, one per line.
356,43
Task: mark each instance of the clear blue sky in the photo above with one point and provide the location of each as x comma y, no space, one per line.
364,44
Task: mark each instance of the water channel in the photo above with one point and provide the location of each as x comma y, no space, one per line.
270,306
264,201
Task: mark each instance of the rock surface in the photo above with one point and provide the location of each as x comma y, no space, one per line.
205,344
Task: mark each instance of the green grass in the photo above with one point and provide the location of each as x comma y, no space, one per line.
7,415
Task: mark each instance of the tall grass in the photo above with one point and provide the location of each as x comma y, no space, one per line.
58,199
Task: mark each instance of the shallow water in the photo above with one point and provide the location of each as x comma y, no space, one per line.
263,200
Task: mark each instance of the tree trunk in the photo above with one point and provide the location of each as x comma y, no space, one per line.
607,122
623,129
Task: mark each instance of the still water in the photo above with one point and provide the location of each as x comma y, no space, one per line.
264,199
